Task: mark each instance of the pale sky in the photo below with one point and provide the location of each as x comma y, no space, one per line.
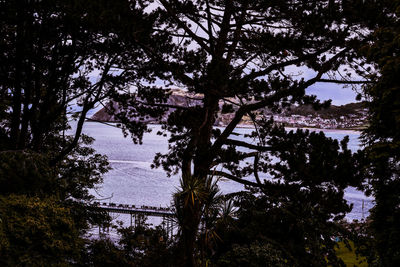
337,93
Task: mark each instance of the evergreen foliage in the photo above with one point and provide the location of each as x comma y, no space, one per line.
382,138
49,53
137,246
251,55
37,232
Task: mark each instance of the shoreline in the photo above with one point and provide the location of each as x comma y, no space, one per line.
246,126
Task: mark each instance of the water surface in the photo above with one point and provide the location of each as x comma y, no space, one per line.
132,181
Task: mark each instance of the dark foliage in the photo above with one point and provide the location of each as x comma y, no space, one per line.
298,210
49,51
238,57
137,246
382,138
249,54
37,232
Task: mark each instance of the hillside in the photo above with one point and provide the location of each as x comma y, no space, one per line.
347,116
331,112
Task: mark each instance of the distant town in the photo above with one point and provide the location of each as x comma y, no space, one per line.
351,122
351,116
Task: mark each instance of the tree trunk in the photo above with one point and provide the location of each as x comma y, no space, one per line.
202,163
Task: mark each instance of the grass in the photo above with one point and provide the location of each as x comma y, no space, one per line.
349,256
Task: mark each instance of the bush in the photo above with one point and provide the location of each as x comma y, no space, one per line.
36,232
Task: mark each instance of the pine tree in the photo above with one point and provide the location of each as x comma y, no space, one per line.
244,58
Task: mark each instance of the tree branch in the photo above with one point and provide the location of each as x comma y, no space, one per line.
237,33
182,25
276,66
209,23
86,107
233,178
241,112
247,145
343,81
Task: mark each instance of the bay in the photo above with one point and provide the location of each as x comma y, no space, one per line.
133,181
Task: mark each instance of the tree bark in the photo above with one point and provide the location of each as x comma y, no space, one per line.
202,161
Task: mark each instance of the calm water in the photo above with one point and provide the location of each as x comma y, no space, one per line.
132,181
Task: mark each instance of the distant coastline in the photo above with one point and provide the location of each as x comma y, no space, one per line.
248,126
352,116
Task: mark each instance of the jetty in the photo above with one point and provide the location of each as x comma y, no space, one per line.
138,212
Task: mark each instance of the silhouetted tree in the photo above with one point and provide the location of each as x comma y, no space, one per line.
242,58
298,211
382,137
58,59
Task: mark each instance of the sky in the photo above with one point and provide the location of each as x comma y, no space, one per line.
338,94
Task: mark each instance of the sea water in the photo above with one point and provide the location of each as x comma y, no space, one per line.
132,180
